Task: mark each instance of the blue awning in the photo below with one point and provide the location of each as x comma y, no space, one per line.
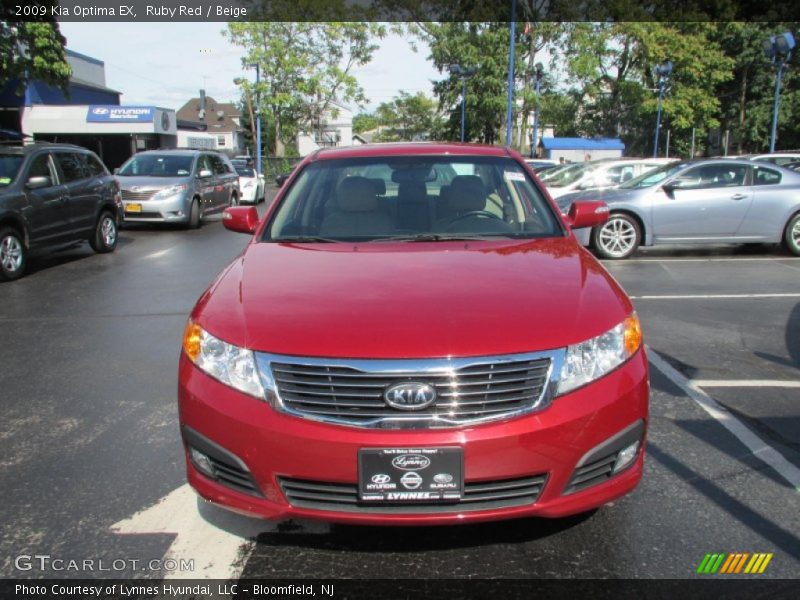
576,143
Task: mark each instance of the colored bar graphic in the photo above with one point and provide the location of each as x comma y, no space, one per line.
729,564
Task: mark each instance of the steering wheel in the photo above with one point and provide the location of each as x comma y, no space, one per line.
484,214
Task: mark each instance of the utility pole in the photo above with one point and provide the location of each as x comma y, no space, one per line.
510,100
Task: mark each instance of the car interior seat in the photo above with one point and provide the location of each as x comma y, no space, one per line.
356,212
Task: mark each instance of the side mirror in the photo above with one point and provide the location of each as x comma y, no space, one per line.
241,219
38,181
588,213
204,173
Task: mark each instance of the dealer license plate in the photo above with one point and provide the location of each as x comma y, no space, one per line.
133,208
410,475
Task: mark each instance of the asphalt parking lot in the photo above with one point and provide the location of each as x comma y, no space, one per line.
91,462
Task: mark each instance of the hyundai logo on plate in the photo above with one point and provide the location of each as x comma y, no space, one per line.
410,395
381,478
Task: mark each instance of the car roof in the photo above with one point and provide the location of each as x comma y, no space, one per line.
177,151
410,149
24,149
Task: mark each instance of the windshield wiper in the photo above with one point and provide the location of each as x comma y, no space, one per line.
304,239
438,237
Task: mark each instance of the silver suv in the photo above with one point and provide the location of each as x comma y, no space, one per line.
177,186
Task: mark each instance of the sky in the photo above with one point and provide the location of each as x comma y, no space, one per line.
166,64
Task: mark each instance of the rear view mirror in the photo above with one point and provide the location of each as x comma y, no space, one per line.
241,219
38,181
587,213
204,173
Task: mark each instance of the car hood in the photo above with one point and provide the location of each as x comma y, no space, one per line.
412,300
150,183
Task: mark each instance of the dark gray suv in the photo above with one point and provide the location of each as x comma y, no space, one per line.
53,195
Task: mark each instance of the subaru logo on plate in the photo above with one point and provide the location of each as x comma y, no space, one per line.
443,478
410,395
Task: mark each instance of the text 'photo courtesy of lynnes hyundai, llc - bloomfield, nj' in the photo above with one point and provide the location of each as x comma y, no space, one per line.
370,299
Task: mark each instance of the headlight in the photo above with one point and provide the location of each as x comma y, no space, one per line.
169,191
229,364
593,358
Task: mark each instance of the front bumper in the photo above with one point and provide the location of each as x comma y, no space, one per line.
552,443
169,210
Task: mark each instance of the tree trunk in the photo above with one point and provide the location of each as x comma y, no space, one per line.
280,150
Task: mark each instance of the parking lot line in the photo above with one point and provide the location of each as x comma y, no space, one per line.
755,444
715,296
776,383
715,259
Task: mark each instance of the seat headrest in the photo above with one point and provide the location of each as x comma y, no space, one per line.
356,194
380,185
411,191
466,194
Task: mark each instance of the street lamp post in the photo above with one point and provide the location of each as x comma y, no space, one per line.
510,92
663,71
538,74
258,117
778,48
464,73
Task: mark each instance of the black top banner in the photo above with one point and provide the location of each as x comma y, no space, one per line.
401,10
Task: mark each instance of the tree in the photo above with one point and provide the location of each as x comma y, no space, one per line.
305,67
33,51
408,117
364,122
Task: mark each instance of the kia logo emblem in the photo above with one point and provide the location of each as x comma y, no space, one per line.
410,395
411,462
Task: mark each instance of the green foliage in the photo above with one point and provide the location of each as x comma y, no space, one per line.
31,51
364,122
305,67
408,117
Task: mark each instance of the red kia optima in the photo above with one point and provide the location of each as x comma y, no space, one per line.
413,336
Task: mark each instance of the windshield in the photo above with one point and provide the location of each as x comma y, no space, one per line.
245,172
414,198
157,165
568,176
9,167
654,176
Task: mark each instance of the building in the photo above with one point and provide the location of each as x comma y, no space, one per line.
579,149
205,123
89,114
336,129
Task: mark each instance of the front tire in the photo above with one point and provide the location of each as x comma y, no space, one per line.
194,215
105,235
13,256
617,238
791,235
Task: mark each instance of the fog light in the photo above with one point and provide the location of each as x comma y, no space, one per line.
202,462
626,456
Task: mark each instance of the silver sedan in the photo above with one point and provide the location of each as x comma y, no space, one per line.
697,202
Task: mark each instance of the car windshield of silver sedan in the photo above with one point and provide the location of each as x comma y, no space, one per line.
654,176
412,198
157,165
9,166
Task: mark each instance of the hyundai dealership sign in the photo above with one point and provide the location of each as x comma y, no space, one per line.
98,113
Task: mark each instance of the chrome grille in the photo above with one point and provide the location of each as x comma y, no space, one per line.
137,196
352,392
478,495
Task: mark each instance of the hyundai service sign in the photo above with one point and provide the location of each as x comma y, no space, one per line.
120,114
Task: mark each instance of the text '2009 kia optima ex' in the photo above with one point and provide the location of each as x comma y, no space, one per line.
413,336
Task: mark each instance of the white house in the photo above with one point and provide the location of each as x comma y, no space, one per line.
336,130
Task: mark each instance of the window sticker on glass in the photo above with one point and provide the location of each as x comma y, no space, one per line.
5,180
513,176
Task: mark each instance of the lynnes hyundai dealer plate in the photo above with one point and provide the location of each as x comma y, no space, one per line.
410,474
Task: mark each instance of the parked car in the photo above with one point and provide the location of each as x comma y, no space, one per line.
698,202
439,352
794,166
777,158
52,195
541,164
251,185
177,186
599,174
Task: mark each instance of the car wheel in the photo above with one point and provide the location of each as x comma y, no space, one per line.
194,215
105,234
791,236
619,237
12,254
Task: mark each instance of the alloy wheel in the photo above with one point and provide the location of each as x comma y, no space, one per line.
11,255
108,231
617,237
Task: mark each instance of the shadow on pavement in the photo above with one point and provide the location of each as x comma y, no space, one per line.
792,335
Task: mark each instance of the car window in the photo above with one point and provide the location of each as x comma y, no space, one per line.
204,163
42,167
339,200
220,168
9,167
157,165
764,176
73,166
654,176
619,174
712,176
94,165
